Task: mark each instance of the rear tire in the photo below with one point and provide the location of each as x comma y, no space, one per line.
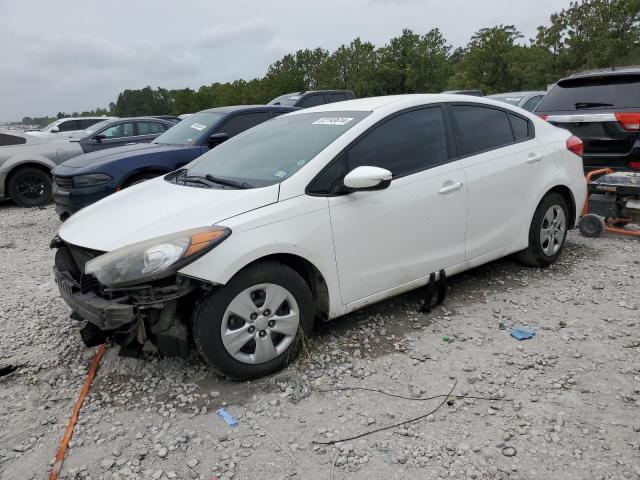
547,233
243,338
591,225
30,187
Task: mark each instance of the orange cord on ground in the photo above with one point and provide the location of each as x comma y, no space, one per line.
62,449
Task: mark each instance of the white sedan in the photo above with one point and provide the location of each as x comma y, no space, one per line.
315,214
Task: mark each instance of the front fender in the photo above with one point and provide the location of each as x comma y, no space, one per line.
305,234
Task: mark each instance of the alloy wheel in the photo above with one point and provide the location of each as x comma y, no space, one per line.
260,323
553,230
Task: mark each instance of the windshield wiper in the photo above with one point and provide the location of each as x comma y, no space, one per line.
227,182
592,105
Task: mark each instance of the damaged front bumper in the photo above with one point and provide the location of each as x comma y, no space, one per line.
104,314
158,311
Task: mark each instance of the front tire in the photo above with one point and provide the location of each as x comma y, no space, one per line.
257,323
547,233
30,187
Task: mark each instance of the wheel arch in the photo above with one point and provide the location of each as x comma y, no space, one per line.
141,171
12,169
566,193
309,272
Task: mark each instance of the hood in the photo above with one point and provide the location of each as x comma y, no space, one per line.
156,208
99,157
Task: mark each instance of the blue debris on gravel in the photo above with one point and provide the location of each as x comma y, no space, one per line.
522,333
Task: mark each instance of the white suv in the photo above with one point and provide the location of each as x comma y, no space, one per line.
68,127
315,214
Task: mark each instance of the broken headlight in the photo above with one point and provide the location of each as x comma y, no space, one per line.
155,258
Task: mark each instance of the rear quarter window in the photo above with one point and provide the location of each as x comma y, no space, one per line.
593,93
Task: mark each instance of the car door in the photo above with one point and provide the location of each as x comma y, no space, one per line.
502,160
388,238
117,135
148,130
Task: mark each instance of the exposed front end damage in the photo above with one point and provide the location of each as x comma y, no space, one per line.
157,311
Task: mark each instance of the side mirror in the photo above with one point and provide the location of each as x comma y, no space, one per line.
99,138
216,139
367,178
55,129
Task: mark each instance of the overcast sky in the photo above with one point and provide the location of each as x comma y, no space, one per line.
74,55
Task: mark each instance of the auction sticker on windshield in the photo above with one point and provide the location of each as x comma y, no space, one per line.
198,126
332,121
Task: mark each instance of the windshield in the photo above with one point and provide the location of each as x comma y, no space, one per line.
288,100
513,100
606,91
191,130
97,127
50,126
275,150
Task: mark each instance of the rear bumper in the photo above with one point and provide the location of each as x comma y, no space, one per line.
104,314
70,201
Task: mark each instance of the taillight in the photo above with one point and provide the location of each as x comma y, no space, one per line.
635,165
629,121
544,117
575,145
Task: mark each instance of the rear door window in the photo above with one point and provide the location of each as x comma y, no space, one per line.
86,123
598,92
405,144
242,122
337,97
69,125
150,128
479,129
312,101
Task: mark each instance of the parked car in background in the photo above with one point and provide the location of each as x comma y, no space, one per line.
313,215
170,118
602,108
122,131
67,127
25,166
96,175
473,93
527,100
312,98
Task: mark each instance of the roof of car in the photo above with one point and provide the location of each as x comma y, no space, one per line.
517,94
86,118
373,103
632,69
238,108
155,119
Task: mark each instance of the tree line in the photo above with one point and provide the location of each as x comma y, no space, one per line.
588,34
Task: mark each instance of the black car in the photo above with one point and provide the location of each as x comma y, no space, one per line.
602,108
312,98
88,178
123,131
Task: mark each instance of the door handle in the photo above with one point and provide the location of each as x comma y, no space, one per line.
131,143
451,187
533,158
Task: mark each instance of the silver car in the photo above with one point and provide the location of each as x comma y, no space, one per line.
526,100
26,162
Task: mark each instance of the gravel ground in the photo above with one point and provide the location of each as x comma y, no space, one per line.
567,402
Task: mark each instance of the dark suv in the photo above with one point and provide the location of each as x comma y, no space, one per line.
312,98
602,108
